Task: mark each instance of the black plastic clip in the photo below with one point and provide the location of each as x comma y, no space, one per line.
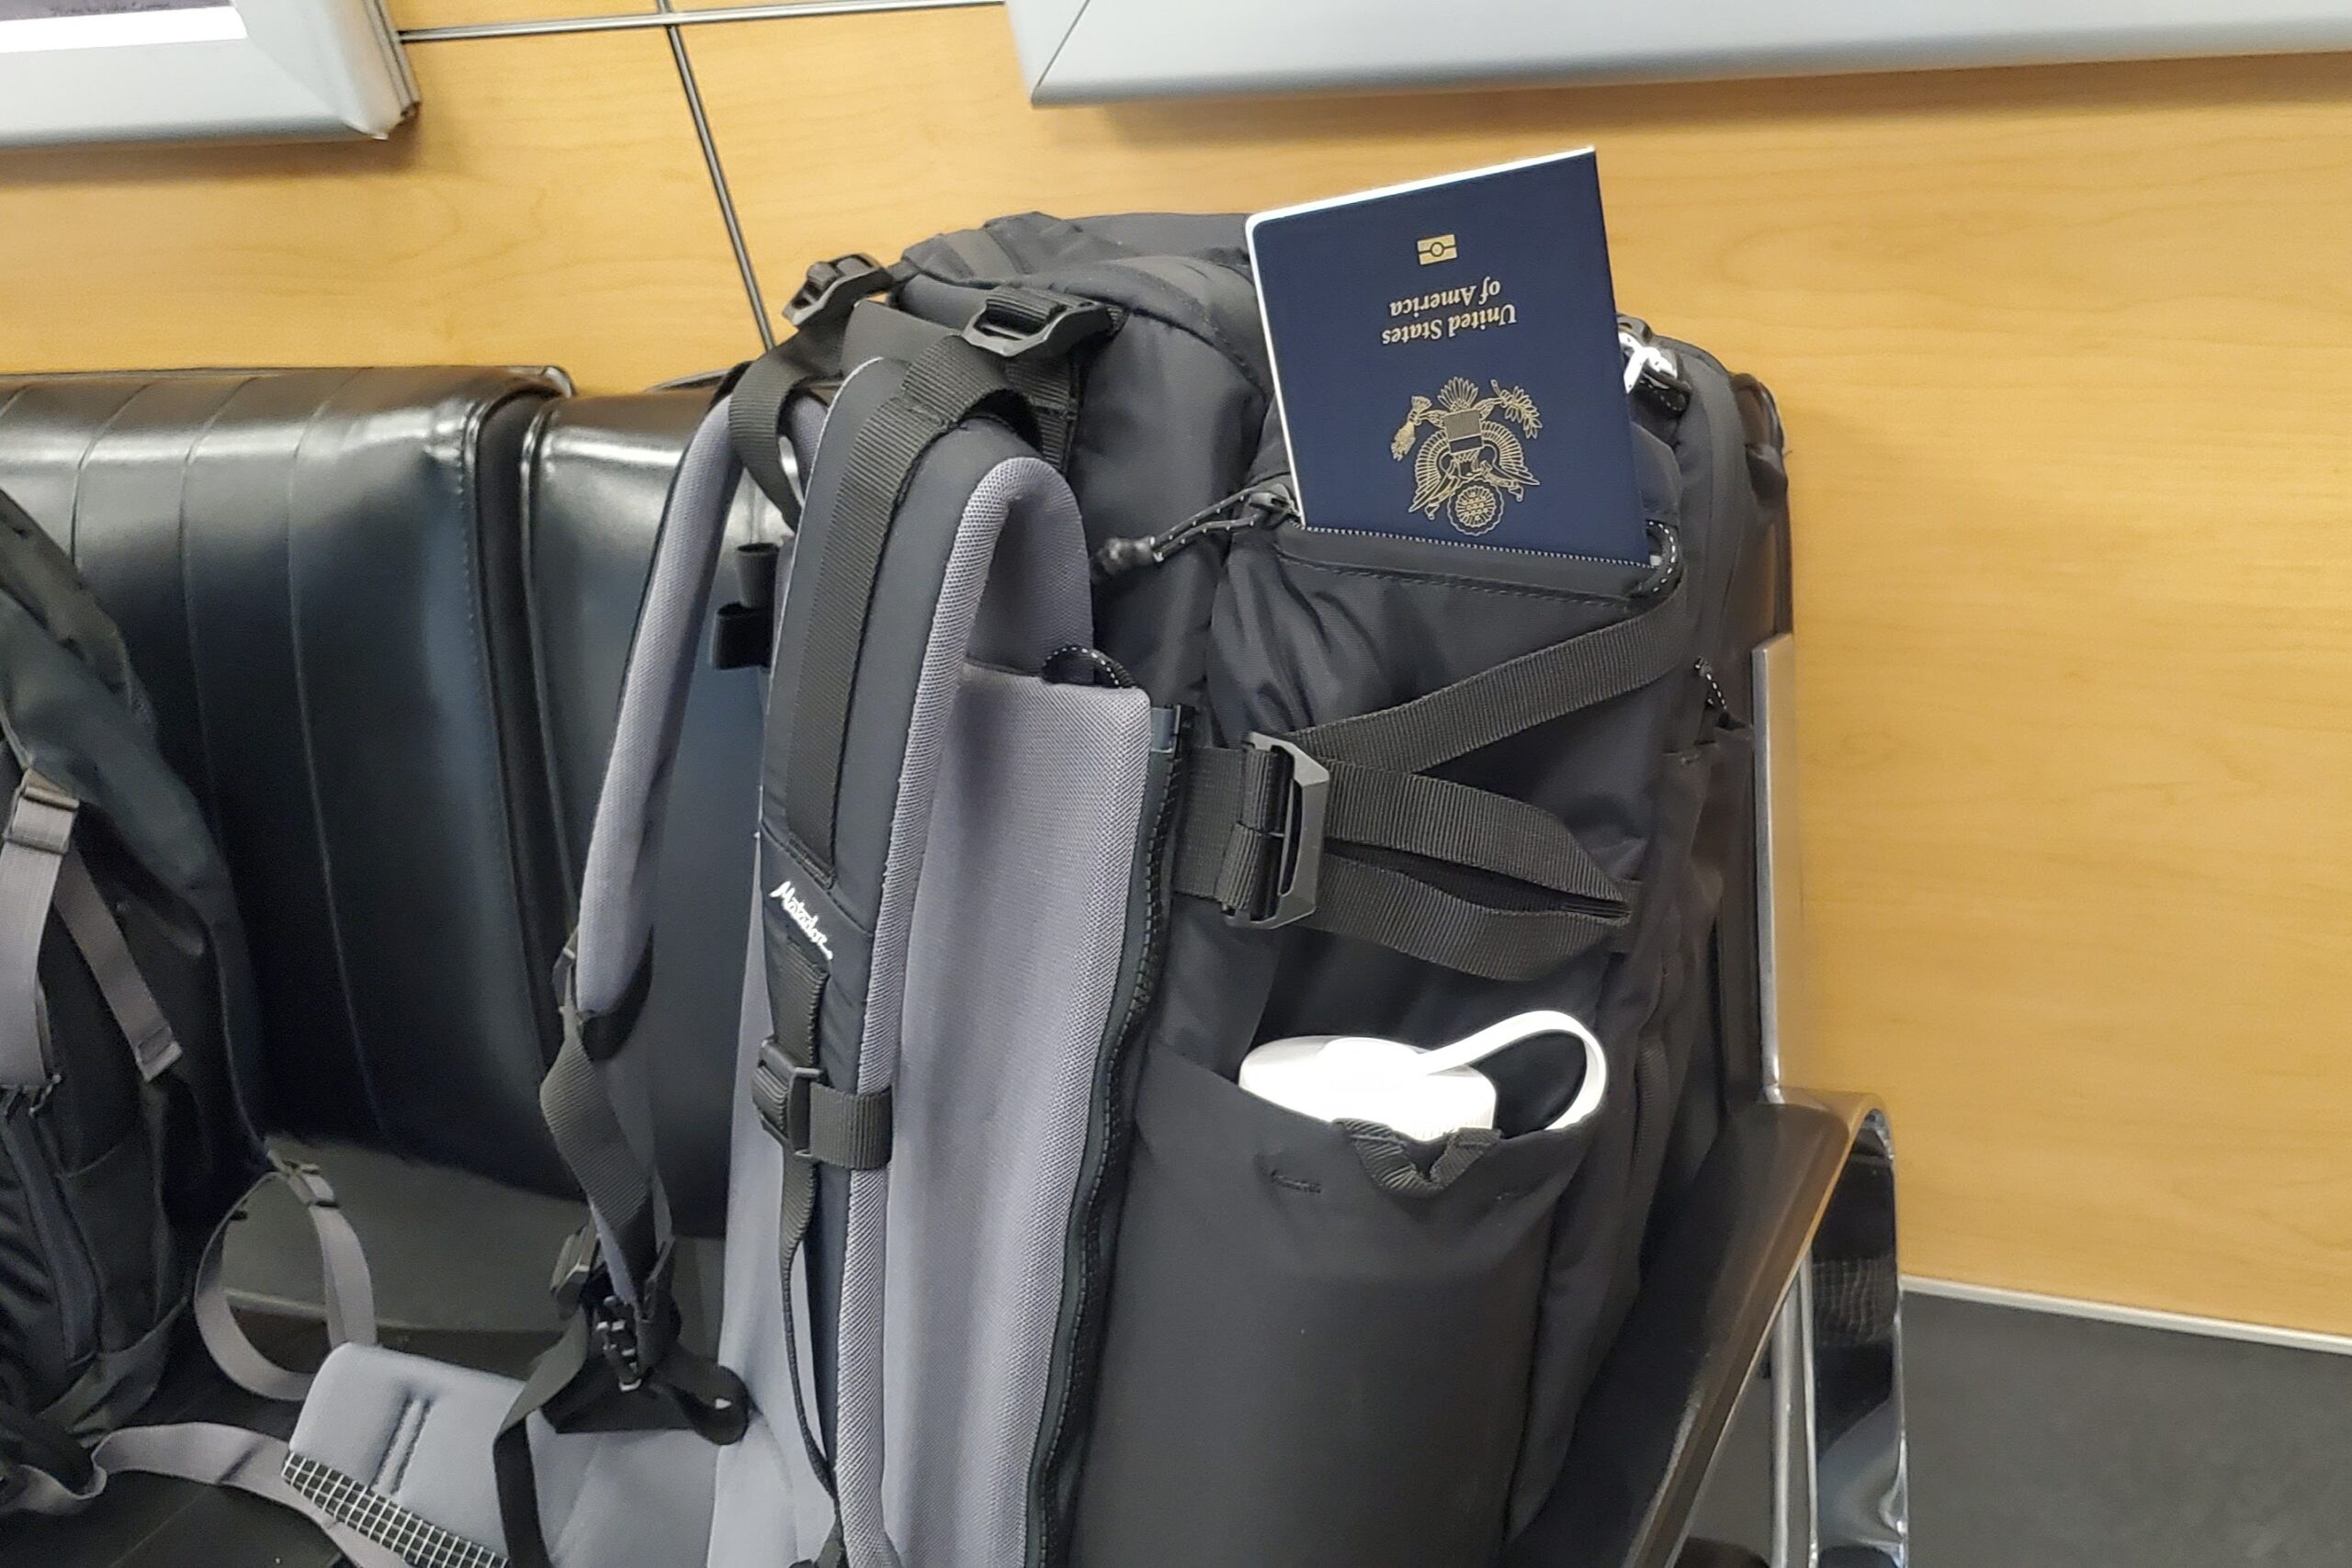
743,634
578,1262
1292,825
1014,323
833,286
780,1091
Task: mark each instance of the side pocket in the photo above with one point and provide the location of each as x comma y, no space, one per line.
1315,1358
115,1203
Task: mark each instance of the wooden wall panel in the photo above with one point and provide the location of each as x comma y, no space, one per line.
457,13
2062,354
549,204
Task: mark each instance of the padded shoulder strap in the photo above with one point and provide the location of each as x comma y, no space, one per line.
616,890
619,1357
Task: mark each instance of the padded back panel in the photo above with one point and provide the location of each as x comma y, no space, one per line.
593,485
318,574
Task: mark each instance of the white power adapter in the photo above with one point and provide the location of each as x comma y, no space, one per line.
1423,1094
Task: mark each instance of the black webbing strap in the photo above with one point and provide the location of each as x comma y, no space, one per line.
1518,695
587,1382
815,1124
618,1185
558,1368
947,383
619,1365
758,393
1411,813
1267,828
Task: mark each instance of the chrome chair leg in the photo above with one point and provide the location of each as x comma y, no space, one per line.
1841,1486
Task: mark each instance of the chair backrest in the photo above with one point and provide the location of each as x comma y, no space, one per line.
383,614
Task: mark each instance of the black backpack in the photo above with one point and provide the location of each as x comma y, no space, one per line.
1089,769
127,1037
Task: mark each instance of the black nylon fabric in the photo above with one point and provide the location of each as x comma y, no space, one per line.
1244,1406
108,1183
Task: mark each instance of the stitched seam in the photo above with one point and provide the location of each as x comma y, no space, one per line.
360,1064
197,439
471,424
536,452
80,465
402,1446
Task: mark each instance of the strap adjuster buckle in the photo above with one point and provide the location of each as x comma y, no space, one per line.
42,816
308,1184
1016,323
833,286
1292,857
577,1264
780,1092
582,1284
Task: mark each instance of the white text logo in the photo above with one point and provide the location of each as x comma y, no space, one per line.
802,916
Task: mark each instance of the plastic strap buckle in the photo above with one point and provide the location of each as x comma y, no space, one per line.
1017,324
582,1284
42,816
833,286
1293,822
780,1089
308,1184
577,1264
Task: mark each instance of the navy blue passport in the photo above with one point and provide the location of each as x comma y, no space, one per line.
1446,358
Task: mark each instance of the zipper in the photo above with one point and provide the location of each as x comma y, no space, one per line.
1114,1089
70,1269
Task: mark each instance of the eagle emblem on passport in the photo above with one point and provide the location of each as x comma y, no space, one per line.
1471,458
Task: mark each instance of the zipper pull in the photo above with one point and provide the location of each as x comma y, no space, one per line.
1260,506
1652,371
1716,701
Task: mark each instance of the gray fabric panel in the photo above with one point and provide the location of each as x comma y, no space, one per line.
1044,603
419,1432
616,888
1038,807
769,1509
416,1430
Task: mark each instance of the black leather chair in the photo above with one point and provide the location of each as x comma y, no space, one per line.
385,612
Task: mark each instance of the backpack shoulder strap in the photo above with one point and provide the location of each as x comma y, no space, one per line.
614,1278
34,843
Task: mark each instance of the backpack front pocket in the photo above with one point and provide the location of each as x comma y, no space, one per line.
1319,1338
